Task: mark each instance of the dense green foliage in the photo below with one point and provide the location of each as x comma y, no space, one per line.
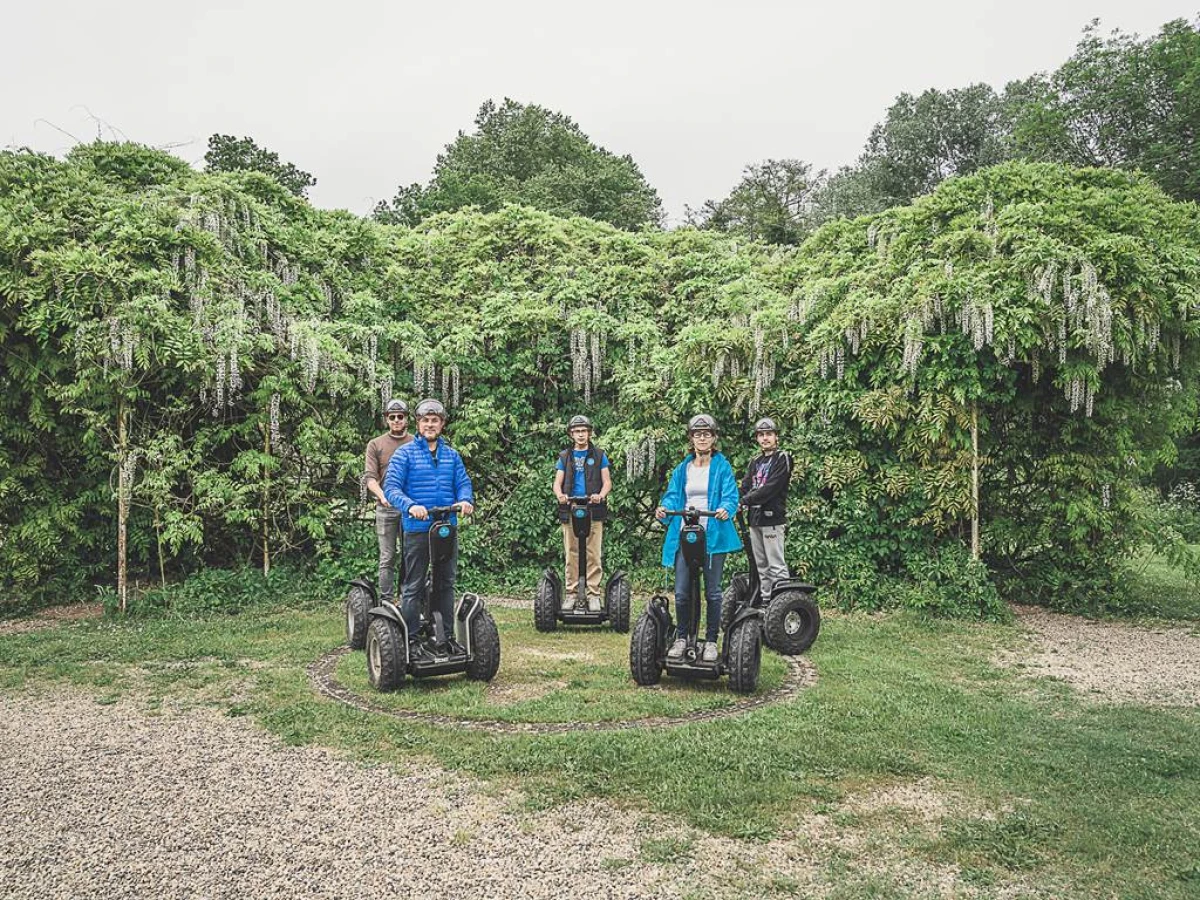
229,154
532,156
211,353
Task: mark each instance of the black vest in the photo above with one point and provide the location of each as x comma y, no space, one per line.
592,480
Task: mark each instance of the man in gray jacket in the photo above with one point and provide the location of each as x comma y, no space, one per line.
387,518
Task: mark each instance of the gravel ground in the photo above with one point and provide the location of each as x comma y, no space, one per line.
1111,661
105,801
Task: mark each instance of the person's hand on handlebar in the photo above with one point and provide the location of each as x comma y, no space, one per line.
660,513
417,511
562,498
723,514
595,498
465,507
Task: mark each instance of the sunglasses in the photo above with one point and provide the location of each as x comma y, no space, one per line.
397,416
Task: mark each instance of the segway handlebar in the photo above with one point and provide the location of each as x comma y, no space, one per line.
435,511
586,498
690,512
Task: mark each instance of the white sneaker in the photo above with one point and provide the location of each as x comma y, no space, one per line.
676,651
594,604
710,652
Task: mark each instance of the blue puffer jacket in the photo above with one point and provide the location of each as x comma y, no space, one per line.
722,494
414,477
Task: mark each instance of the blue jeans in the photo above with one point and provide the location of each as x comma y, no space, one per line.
412,592
712,593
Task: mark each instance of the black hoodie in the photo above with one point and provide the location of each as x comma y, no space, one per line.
768,504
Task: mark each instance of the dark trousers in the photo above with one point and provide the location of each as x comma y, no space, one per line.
712,593
412,593
387,529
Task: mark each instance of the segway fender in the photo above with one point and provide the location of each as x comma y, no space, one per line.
657,607
746,612
792,584
390,611
366,584
468,608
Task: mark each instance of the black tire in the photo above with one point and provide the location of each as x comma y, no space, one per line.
791,623
485,648
644,663
545,605
358,602
619,598
733,598
745,656
385,656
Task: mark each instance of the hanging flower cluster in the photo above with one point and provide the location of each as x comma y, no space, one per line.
641,458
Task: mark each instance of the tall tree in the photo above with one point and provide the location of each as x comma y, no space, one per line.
771,203
229,154
534,156
1119,102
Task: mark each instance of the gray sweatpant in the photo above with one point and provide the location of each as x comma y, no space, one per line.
767,545
387,529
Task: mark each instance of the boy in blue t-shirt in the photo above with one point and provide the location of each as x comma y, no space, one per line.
587,468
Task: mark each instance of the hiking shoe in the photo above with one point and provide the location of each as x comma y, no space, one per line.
593,604
676,651
710,652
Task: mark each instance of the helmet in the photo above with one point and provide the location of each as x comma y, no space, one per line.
431,407
578,421
765,424
394,406
702,421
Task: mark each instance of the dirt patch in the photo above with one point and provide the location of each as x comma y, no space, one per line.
1109,661
504,693
578,655
920,799
54,615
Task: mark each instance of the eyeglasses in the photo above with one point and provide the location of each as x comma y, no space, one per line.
396,417
702,434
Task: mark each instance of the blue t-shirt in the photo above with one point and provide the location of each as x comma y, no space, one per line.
579,459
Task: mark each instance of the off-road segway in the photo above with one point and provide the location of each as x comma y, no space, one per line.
547,602
791,617
740,652
470,644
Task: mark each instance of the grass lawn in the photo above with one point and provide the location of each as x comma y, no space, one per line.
1035,786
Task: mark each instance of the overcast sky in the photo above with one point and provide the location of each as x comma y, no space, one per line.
365,93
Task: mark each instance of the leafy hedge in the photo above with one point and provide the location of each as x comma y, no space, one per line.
204,356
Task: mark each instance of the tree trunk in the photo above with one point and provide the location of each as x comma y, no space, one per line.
266,498
122,504
974,481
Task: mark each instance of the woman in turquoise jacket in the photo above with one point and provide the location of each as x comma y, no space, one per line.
703,480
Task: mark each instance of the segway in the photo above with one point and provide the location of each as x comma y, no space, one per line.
740,652
469,644
547,602
791,617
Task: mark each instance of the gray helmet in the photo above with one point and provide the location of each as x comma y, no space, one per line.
394,405
765,424
702,421
578,421
431,407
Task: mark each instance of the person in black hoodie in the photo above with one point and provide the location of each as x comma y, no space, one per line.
764,494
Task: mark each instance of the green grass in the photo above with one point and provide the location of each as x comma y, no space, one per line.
1158,590
1042,788
568,675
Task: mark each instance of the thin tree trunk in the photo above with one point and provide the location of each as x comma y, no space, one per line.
266,544
122,505
974,481
162,565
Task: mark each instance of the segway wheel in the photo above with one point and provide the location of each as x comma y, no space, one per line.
791,622
358,602
545,605
733,598
485,648
643,651
385,656
745,656
619,598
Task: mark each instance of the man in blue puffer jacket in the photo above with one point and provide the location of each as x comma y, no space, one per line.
425,473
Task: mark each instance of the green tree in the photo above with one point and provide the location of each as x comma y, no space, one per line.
1119,102
772,203
533,156
229,154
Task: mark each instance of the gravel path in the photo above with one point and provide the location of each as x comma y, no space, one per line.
107,802
1112,661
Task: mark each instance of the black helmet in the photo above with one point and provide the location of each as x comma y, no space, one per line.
431,408
765,424
394,405
702,421
577,421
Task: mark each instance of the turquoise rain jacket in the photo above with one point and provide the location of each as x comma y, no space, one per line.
722,494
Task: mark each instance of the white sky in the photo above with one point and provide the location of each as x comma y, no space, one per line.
364,93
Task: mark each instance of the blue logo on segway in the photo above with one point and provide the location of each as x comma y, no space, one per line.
444,531
580,513
691,537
